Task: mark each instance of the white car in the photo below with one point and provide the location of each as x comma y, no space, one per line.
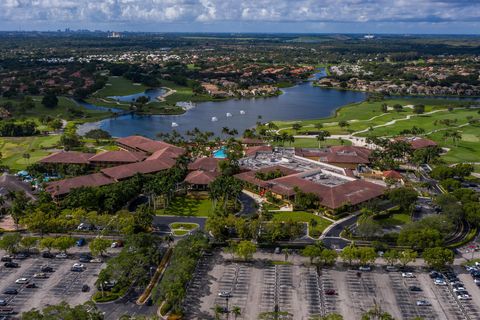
408,275
21,281
96,260
225,294
464,297
476,280
365,268
40,275
458,288
440,282
78,265
61,255
423,303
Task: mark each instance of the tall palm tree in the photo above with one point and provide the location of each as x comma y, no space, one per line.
236,311
321,136
456,136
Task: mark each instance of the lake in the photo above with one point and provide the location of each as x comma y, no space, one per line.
300,102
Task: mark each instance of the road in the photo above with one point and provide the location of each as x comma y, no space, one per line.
331,237
162,222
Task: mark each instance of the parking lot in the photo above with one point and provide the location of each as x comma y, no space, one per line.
302,291
50,288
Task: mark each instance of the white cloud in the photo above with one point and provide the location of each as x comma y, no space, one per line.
315,11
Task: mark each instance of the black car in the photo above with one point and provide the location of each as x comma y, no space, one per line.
21,256
85,288
46,269
11,265
30,285
84,259
48,255
414,288
6,259
10,291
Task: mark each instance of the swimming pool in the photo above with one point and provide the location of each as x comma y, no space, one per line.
220,153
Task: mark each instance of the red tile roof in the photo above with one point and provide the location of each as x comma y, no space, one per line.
392,174
338,154
253,150
61,187
118,156
148,145
351,192
168,152
68,157
253,141
417,142
201,177
145,167
205,164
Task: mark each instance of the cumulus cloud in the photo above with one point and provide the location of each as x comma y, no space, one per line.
209,11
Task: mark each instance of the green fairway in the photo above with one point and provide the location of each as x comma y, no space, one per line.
313,143
119,86
13,149
465,150
303,216
187,206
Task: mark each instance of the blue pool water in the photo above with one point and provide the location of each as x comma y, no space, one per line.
220,153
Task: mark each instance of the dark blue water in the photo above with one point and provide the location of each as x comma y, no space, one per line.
297,103
90,106
152,94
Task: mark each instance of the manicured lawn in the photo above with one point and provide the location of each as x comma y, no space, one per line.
396,219
183,93
183,225
13,149
302,216
119,86
313,143
465,150
186,206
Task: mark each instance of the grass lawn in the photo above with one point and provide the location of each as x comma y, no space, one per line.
186,206
313,143
120,86
183,93
466,150
303,216
183,225
13,149
396,219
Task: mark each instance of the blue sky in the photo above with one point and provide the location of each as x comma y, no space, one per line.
308,16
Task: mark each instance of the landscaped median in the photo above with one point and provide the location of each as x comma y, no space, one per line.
316,224
182,228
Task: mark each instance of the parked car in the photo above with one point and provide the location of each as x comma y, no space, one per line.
117,244
85,288
96,260
11,265
365,268
21,281
84,259
414,288
277,250
225,294
464,297
77,267
3,302
330,292
81,242
61,255
46,269
391,268
21,256
31,285
40,275
408,275
10,291
435,274
440,282
423,303
48,255
7,258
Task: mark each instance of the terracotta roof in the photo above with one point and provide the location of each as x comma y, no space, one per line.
205,164
253,150
249,176
201,177
148,145
351,192
168,152
145,167
118,156
392,174
338,154
417,142
133,141
68,157
62,187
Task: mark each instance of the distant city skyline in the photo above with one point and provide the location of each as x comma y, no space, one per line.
285,16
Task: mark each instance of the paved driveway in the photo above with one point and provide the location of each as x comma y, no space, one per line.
162,222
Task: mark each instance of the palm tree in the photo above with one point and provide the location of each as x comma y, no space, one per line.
225,131
286,252
321,136
217,310
236,311
456,136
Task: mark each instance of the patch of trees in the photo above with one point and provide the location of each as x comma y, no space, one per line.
269,175
173,286
225,227
306,200
459,171
65,311
98,134
131,267
18,129
63,170
426,233
50,100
